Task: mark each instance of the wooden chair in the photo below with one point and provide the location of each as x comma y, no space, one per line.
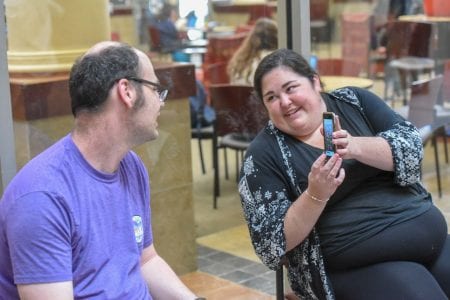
155,41
222,47
201,129
239,117
338,66
320,21
156,51
257,11
356,33
217,73
408,53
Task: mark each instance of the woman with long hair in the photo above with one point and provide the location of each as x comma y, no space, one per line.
262,40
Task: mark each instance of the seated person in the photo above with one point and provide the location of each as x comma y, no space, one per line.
261,41
169,36
75,222
358,225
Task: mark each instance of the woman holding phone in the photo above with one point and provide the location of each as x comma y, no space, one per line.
358,225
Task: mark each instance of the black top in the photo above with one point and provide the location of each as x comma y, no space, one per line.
275,172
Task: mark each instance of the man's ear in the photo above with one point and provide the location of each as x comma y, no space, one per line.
126,92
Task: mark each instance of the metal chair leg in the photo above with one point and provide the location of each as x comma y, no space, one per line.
279,284
216,172
200,150
225,157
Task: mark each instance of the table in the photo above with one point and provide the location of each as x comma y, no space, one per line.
423,18
334,82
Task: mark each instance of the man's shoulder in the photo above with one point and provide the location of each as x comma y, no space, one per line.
41,173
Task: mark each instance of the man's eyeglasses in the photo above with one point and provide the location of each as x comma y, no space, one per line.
162,91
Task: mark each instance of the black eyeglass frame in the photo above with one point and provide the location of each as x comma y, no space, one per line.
161,90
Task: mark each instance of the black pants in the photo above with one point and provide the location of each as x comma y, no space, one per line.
408,261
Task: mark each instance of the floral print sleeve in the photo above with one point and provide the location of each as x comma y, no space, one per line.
403,137
407,151
268,186
265,201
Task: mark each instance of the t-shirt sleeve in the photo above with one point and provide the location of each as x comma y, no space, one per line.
39,236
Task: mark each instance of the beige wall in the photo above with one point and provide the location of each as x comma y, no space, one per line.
168,161
48,35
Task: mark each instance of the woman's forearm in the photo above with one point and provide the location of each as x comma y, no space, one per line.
301,218
372,151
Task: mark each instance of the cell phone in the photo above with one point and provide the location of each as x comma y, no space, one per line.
328,128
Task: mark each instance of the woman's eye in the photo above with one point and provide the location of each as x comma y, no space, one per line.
270,98
290,88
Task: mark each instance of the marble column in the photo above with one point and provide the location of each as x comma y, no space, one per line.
44,39
48,35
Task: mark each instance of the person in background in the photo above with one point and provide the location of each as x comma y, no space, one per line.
262,40
75,221
357,225
169,37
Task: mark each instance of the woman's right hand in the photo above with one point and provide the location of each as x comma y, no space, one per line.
325,176
323,180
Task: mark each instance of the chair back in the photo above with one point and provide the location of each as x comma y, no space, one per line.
338,66
407,38
220,50
155,41
257,11
237,110
424,96
355,38
217,73
319,9
222,47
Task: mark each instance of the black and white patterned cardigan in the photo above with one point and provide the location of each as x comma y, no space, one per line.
306,269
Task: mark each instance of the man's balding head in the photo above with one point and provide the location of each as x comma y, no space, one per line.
95,72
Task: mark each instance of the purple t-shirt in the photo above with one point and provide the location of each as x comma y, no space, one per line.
62,220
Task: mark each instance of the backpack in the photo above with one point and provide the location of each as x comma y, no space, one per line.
202,114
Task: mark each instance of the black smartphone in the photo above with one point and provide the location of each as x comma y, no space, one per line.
328,128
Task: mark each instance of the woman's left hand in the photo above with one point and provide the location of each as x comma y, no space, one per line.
372,150
342,139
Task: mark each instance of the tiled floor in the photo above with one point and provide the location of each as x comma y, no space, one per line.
227,265
215,288
243,271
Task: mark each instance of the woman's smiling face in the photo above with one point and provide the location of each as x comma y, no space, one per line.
293,101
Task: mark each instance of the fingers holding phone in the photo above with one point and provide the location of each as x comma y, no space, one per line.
336,139
328,129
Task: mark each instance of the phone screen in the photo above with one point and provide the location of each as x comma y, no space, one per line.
328,128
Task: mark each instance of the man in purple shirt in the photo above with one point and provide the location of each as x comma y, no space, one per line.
75,221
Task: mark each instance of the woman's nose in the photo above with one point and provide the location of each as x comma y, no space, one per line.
284,99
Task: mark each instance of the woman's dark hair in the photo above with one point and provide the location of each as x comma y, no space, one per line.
93,75
282,58
165,12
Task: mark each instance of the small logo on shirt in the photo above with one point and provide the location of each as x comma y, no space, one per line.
138,229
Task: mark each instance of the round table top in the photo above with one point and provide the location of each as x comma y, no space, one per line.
423,18
334,82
